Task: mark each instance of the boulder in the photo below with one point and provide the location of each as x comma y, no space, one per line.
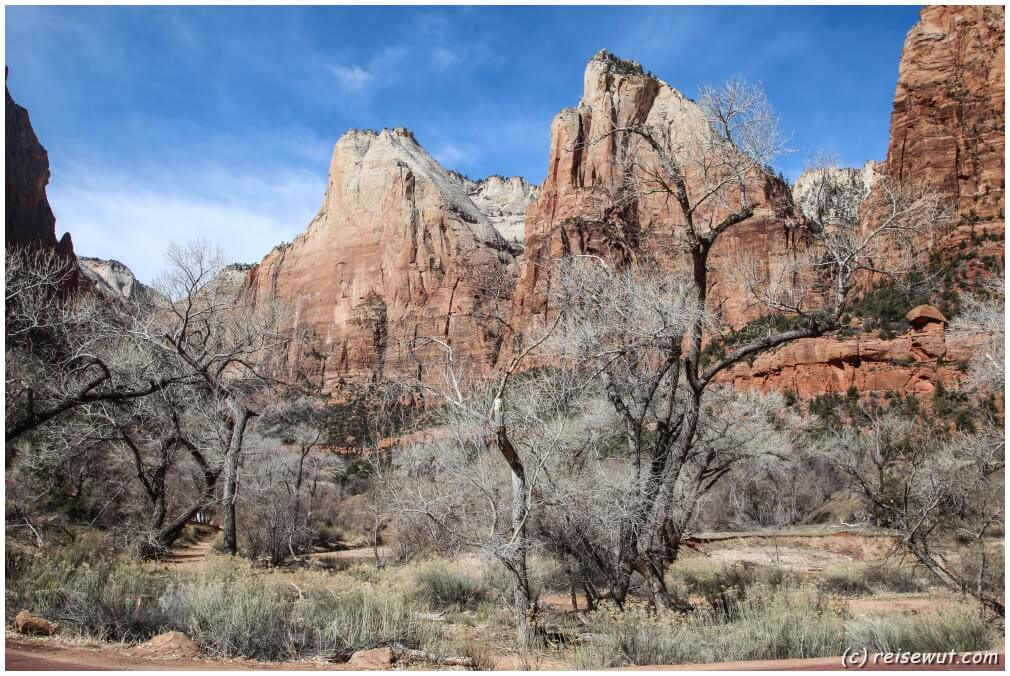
170,644
921,315
34,625
376,659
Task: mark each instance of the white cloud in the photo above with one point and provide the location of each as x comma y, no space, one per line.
352,78
133,218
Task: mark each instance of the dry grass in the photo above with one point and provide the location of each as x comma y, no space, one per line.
772,624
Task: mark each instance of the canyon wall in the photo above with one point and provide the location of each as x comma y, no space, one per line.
30,220
947,130
574,212
398,264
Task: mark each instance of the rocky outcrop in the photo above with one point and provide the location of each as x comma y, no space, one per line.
947,125
573,213
910,364
833,195
503,201
30,220
114,279
398,263
947,130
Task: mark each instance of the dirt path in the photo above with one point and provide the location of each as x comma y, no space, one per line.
192,554
48,655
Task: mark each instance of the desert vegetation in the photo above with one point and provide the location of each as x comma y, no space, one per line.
559,510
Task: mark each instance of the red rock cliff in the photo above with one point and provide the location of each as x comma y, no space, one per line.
572,214
398,255
947,130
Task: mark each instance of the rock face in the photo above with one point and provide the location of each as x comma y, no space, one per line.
30,220
398,257
503,201
572,213
947,130
114,279
909,364
839,203
948,126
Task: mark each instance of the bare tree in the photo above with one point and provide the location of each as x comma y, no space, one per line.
644,337
942,494
64,348
221,337
478,483
982,318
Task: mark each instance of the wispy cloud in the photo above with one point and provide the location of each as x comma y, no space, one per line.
455,155
352,78
133,218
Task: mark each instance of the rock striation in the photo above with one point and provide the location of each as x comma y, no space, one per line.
398,264
948,125
910,364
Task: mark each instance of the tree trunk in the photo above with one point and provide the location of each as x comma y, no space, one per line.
232,464
522,601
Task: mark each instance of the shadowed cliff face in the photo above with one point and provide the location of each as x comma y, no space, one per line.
30,220
397,257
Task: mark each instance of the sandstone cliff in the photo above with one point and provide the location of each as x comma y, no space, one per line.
397,257
30,221
114,279
834,195
947,130
947,126
573,214
503,201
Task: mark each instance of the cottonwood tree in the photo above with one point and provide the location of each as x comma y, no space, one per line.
649,352
477,483
65,349
942,494
982,318
219,336
171,442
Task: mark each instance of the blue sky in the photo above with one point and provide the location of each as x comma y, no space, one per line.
171,123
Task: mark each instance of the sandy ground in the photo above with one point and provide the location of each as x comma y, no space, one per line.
29,654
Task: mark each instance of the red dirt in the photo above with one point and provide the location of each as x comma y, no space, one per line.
48,655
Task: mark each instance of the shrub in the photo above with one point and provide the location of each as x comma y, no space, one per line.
771,624
891,578
93,593
334,625
844,580
240,617
441,584
960,628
